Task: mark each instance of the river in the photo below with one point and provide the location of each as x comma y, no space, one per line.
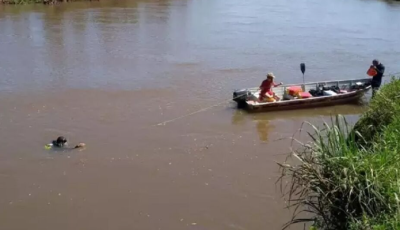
107,72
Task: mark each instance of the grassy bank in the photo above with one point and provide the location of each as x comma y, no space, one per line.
350,178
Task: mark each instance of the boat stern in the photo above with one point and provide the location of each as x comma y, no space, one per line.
240,97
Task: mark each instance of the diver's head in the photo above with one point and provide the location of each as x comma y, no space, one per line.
61,141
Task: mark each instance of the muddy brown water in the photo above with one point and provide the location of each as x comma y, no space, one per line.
105,73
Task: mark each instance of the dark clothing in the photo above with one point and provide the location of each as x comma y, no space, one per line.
377,79
58,144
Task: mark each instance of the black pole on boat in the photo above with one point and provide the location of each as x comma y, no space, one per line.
303,69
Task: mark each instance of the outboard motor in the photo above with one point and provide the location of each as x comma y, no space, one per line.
240,96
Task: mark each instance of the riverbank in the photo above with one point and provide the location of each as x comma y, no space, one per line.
17,2
349,178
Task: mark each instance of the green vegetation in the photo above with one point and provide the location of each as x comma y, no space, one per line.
350,179
382,112
28,1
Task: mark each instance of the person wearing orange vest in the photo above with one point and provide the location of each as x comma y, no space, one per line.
377,78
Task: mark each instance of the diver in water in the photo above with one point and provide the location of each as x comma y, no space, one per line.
62,142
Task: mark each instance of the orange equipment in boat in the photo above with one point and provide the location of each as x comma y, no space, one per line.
294,90
304,95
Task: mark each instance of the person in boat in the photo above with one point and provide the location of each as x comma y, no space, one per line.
266,87
61,142
377,79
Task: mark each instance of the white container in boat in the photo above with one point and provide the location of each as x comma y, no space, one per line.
329,93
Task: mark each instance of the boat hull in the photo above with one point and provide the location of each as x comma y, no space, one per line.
307,103
356,88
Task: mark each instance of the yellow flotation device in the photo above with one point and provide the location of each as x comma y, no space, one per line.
268,98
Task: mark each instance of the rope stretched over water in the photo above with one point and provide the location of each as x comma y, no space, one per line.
212,106
195,112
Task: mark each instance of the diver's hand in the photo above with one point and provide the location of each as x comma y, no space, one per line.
80,145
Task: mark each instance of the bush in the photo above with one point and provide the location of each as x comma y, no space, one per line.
382,110
346,184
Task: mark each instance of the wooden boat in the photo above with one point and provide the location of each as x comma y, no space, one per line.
350,91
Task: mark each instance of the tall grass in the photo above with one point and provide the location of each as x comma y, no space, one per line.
349,179
382,110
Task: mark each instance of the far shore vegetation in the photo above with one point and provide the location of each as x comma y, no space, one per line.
349,177
19,2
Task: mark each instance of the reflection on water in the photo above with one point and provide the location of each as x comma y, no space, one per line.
263,127
238,117
265,122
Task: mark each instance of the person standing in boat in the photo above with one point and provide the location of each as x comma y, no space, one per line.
266,87
377,78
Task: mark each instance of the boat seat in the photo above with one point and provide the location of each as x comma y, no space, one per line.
256,94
